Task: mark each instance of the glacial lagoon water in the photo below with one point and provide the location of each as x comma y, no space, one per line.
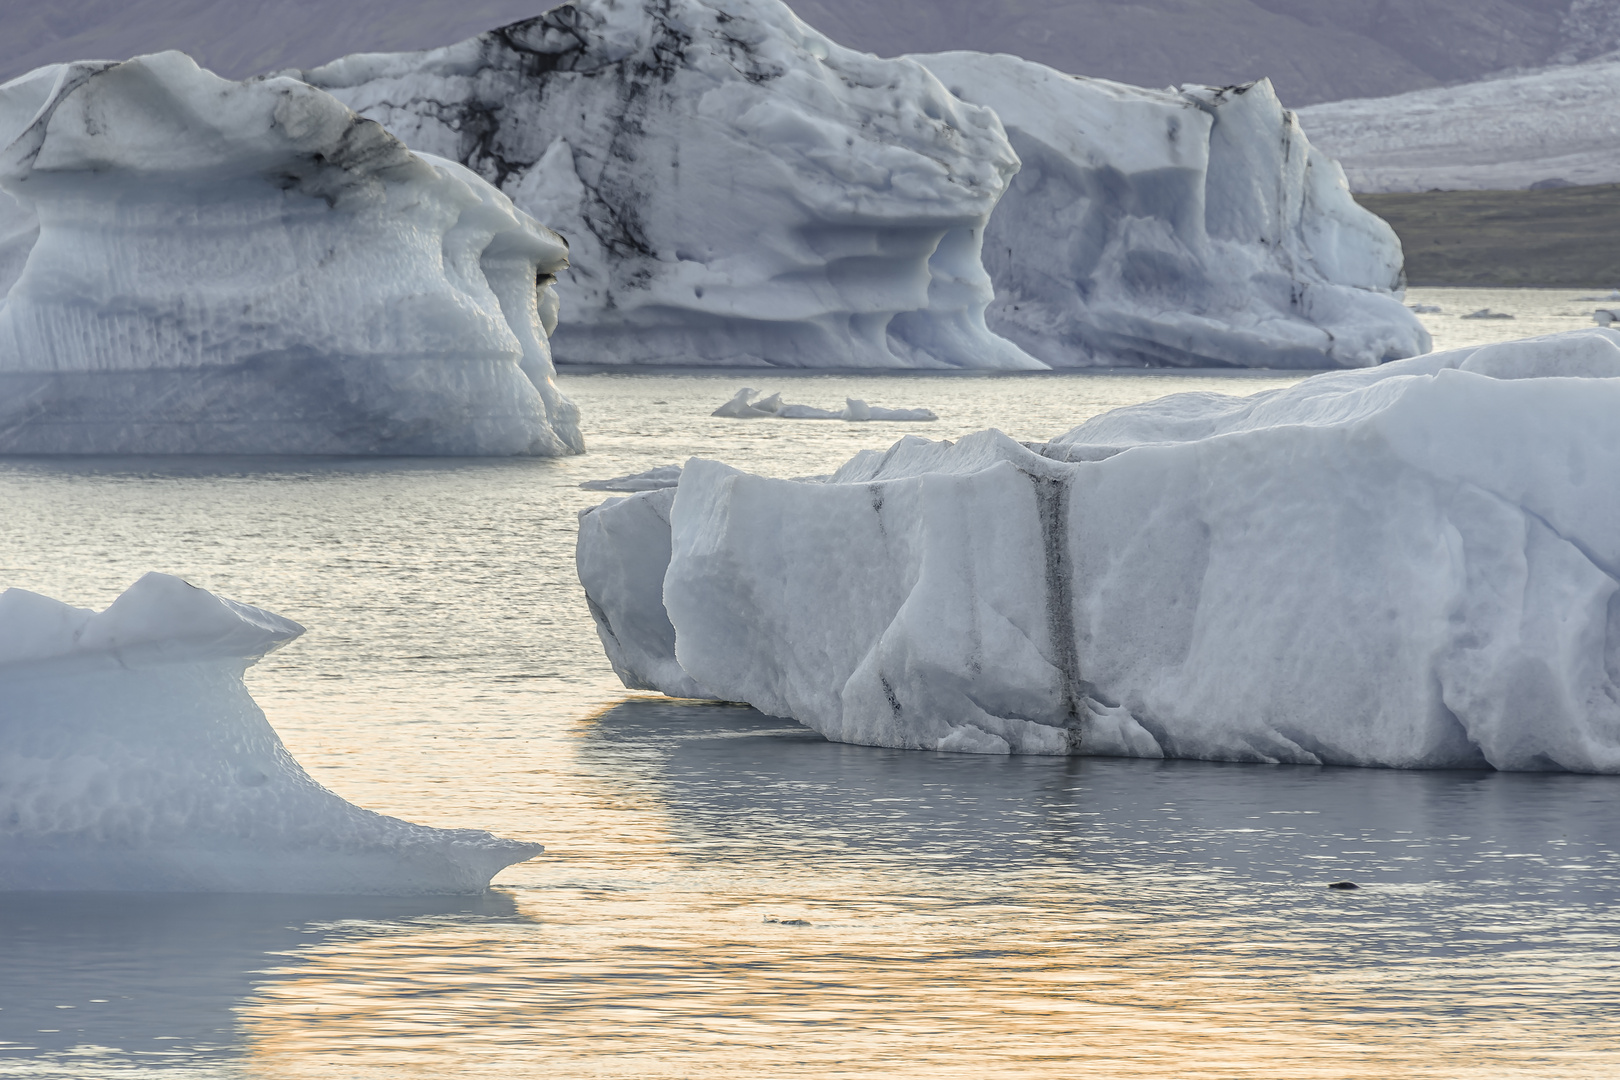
725,894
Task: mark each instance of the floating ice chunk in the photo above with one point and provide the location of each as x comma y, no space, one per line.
739,408
856,409
1605,316
1412,565
1424,309
203,266
738,188
1486,313
132,758
664,476
1196,227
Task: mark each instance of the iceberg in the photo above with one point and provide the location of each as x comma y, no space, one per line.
737,188
1199,228
199,266
1415,565
133,759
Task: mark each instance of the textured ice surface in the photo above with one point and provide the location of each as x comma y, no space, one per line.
1501,133
133,758
201,266
1412,565
737,188
1195,227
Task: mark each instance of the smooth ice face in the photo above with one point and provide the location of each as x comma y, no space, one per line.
202,266
737,188
1412,566
132,758
1191,228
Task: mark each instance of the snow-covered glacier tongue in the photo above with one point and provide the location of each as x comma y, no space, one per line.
1196,227
133,759
737,188
1413,565
202,266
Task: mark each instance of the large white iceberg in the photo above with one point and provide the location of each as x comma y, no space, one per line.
1413,565
201,266
133,758
1196,227
737,188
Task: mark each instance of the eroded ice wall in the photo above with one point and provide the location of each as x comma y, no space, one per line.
1196,227
133,758
202,266
1413,566
737,188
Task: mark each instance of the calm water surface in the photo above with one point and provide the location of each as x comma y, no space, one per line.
726,894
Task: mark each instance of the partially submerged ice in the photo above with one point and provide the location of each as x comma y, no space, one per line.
1196,227
201,266
737,188
133,758
740,407
1413,565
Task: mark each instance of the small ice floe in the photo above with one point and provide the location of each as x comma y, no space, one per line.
1614,294
1605,316
788,922
740,407
1425,309
1486,313
665,476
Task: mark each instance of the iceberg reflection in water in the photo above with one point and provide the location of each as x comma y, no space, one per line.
98,983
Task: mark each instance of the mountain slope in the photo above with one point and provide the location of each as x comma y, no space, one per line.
1558,124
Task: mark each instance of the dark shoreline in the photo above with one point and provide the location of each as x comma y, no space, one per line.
1553,238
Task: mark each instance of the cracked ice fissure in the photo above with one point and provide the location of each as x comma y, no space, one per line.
1052,505
969,916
